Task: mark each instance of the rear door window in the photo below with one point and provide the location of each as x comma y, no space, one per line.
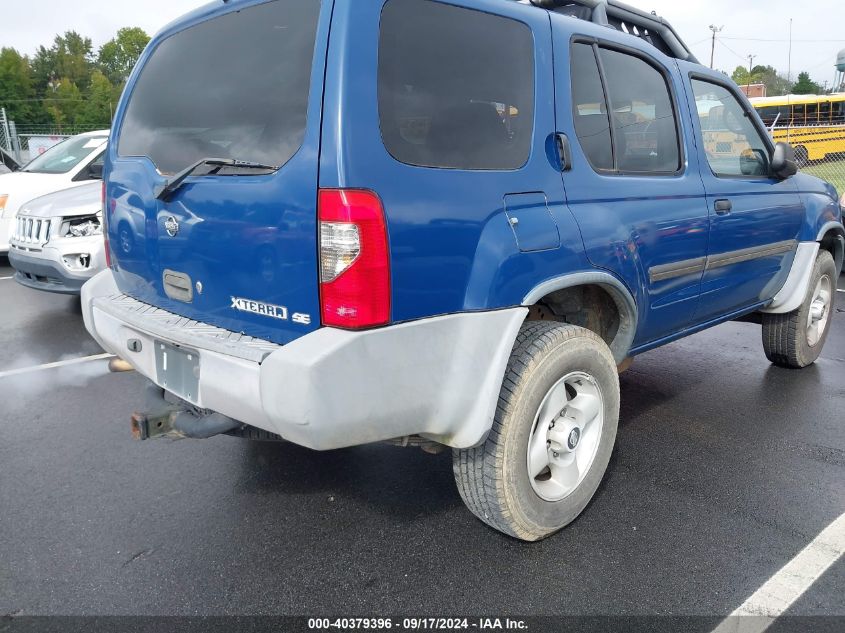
455,86
592,124
235,86
642,113
624,112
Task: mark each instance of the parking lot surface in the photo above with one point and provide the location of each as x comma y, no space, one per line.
725,468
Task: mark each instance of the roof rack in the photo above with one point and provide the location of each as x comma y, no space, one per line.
622,17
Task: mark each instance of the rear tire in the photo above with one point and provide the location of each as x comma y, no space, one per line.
560,397
796,339
802,156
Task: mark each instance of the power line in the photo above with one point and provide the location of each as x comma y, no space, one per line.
742,57
38,100
761,39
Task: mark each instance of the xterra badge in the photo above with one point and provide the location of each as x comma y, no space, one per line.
268,310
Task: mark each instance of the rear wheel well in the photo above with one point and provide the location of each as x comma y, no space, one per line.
590,306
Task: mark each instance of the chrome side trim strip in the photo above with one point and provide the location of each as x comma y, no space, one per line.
677,269
702,264
748,254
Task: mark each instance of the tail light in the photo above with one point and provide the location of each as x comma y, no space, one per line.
354,259
106,227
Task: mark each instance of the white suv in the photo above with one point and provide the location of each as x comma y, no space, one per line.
73,162
57,240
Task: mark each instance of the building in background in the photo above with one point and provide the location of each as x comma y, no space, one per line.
754,90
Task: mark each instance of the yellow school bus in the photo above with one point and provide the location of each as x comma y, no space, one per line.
813,124
720,142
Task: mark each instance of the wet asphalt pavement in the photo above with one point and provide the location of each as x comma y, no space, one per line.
725,468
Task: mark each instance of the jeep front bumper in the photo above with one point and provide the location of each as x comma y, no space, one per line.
56,267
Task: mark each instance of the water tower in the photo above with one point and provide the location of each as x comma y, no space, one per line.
840,71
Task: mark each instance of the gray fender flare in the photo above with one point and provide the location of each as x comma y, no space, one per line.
838,244
628,314
792,293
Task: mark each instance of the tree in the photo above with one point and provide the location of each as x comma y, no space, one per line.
775,83
74,58
805,85
16,91
118,56
98,106
64,103
43,69
741,76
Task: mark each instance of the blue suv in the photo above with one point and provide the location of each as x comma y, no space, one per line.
446,223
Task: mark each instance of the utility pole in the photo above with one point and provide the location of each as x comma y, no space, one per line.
789,61
750,67
715,29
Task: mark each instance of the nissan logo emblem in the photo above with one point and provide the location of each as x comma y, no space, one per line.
171,226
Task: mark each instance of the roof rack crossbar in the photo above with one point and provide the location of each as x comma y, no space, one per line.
613,13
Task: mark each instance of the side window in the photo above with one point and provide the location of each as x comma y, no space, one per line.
455,86
768,114
733,145
837,112
824,112
645,130
632,129
592,125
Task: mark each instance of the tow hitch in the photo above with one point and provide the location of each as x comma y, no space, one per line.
177,420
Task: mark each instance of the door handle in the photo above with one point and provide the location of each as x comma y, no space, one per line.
564,151
723,207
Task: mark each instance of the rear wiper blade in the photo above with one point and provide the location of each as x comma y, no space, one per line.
163,191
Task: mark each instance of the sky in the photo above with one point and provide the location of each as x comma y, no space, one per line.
818,27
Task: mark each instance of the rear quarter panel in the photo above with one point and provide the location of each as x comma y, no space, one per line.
452,248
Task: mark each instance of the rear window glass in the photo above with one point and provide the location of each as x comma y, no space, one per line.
455,86
235,87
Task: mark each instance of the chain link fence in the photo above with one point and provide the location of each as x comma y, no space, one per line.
832,169
819,150
24,143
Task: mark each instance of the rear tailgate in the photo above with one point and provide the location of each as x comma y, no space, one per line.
236,248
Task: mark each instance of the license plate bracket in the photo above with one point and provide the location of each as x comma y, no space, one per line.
178,370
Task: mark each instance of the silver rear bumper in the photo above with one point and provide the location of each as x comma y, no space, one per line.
438,377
